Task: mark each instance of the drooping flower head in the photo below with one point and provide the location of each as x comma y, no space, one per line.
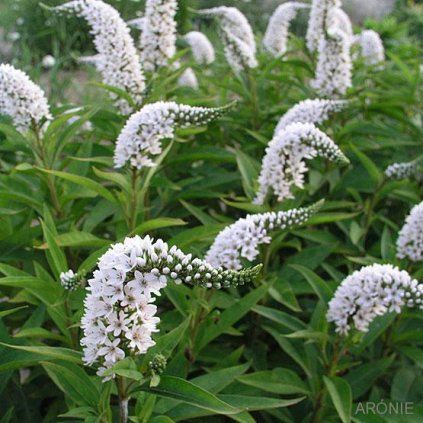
334,67
371,47
310,111
202,49
117,60
318,22
188,79
410,239
283,165
21,99
276,36
337,18
243,238
158,35
404,170
71,280
142,134
237,37
120,315
370,292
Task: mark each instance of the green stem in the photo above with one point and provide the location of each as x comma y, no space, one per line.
254,98
133,203
370,208
123,399
331,369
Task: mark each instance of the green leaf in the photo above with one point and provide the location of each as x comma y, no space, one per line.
58,258
230,316
73,381
277,381
340,393
5,313
161,222
185,391
248,169
375,175
320,287
253,403
91,185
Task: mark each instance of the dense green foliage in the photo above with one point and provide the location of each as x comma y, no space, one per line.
262,352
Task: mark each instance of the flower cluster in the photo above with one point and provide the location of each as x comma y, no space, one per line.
283,165
120,314
371,47
140,138
71,280
410,239
404,170
310,111
337,18
237,37
369,292
276,36
188,79
334,67
201,47
117,60
242,238
21,99
318,23
158,35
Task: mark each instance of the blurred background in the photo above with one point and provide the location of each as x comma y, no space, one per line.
31,35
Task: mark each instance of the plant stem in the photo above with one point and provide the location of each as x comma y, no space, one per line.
330,371
254,99
133,204
123,399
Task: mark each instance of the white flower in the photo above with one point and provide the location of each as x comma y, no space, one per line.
117,60
276,36
243,238
334,67
404,170
142,134
21,99
201,47
138,23
237,37
188,79
371,47
369,292
318,21
283,165
310,111
119,317
14,36
158,33
339,19
70,280
410,239
48,61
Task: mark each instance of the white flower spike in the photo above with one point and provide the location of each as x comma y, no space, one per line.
404,170
334,68
371,47
310,111
318,23
370,292
237,37
120,316
283,165
142,134
276,36
188,79
158,35
117,60
202,49
21,99
242,238
410,239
